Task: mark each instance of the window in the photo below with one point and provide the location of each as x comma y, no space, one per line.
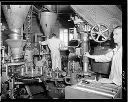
71,33
64,36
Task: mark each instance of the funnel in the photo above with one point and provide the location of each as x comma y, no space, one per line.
47,21
15,15
16,47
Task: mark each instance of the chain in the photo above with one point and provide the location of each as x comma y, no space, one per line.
28,25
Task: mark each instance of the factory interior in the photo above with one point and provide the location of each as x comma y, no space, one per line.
30,71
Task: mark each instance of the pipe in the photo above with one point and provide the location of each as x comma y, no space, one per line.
85,49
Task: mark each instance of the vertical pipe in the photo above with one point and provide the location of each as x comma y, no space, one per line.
26,69
41,70
22,71
75,34
68,69
85,49
36,70
6,69
3,54
32,71
22,33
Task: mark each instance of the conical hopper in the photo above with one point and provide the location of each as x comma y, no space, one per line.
47,21
15,15
16,47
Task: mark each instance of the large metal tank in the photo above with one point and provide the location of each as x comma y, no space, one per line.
47,21
15,16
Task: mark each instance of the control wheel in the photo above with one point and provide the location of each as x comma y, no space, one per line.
100,33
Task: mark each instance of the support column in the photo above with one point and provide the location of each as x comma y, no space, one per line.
84,37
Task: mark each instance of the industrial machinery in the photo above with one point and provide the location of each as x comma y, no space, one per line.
100,33
15,43
27,70
95,31
23,70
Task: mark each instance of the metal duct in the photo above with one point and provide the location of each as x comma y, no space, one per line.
15,16
47,21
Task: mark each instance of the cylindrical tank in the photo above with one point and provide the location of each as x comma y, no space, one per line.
47,21
15,16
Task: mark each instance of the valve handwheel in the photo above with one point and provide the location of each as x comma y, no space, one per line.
100,33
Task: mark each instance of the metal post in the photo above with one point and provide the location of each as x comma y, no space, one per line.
85,49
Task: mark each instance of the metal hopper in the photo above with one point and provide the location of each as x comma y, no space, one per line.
47,21
15,16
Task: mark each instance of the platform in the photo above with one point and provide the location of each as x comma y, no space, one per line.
93,90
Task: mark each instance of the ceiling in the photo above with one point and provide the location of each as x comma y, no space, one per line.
64,11
62,8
